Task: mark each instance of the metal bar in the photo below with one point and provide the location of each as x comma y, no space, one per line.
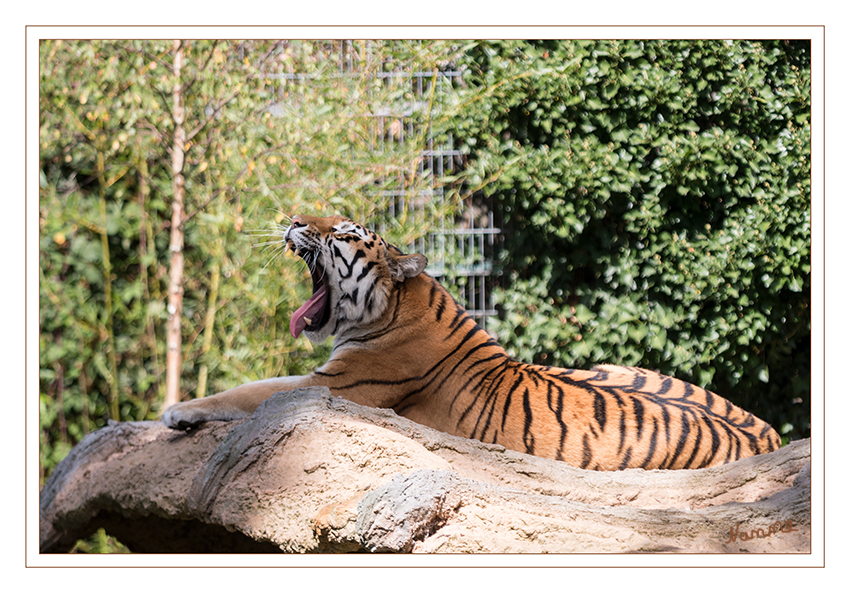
312,76
479,231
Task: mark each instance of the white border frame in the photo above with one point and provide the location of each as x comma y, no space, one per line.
817,36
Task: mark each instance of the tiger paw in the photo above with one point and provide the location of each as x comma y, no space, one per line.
181,416
188,415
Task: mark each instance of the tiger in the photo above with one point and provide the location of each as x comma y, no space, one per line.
402,342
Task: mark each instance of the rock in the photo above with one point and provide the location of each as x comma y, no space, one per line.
309,472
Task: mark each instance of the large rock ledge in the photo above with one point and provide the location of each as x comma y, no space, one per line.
309,472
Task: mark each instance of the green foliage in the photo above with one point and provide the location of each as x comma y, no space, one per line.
657,203
100,543
261,144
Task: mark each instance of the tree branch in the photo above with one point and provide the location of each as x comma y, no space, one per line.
351,478
203,68
218,107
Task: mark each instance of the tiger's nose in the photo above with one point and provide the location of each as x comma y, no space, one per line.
295,223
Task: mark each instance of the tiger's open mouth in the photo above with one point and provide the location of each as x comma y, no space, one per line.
316,311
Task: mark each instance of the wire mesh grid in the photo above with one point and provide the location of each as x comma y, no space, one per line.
462,250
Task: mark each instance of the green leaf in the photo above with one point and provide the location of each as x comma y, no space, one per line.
690,126
583,314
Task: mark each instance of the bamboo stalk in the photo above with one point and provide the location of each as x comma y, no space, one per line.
84,389
273,357
209,324
112,376
145,233
60,398
175,292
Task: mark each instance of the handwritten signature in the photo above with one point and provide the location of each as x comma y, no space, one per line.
736,534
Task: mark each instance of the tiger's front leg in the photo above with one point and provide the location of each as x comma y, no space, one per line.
233,404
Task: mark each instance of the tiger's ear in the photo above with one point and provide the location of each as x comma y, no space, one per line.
406,266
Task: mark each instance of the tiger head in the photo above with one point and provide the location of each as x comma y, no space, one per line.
354,272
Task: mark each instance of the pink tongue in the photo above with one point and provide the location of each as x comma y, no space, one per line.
308,309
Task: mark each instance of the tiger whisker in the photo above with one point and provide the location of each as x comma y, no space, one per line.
277,254
268,243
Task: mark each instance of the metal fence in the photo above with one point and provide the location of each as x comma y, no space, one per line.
461,251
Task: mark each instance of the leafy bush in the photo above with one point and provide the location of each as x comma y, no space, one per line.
656,197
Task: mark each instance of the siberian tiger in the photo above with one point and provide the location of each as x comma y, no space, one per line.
402,342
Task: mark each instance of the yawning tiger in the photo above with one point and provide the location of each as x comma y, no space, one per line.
402,342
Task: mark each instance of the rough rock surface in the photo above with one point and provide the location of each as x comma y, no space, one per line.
309,472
